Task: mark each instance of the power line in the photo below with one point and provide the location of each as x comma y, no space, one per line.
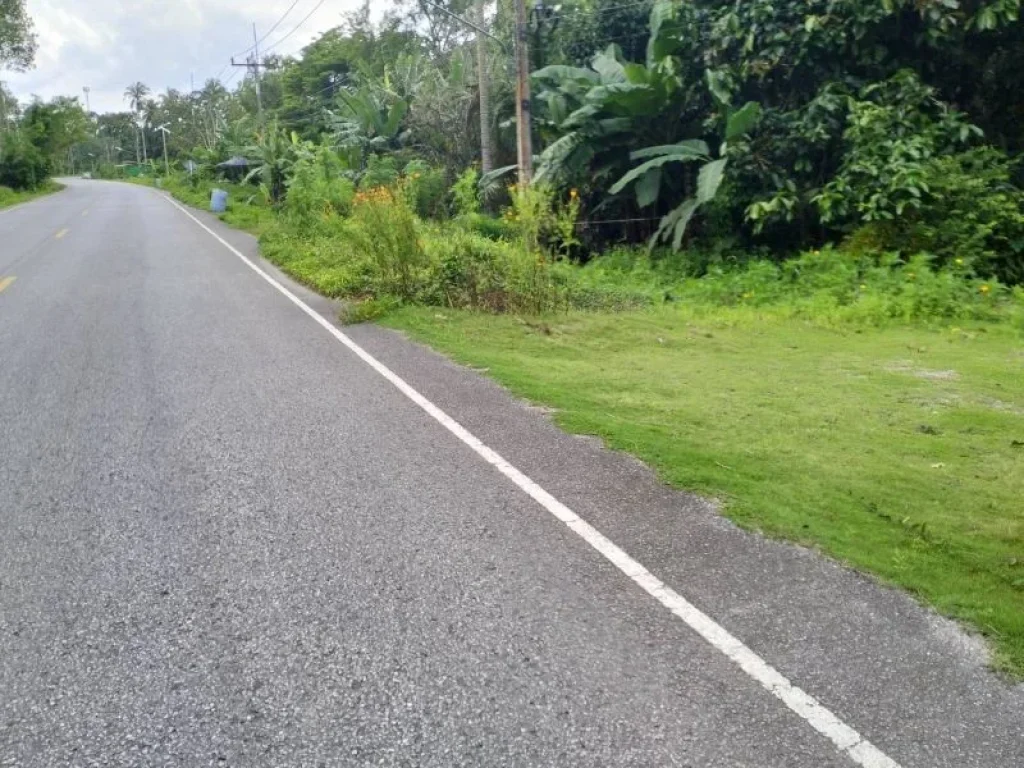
271,30
296,27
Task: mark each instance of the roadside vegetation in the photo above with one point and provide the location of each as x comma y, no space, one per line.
8,197
775,249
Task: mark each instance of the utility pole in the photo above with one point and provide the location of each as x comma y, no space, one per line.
88,109
523,112
484,78
524,121
167,165
253,64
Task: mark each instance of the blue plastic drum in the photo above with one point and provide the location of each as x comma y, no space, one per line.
219,201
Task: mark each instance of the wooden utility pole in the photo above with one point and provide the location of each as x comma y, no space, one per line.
524,121
484,79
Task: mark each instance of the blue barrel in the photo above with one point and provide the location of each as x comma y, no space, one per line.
219,201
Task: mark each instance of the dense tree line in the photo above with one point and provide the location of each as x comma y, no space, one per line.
775,124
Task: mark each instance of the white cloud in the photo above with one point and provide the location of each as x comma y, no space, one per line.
107,44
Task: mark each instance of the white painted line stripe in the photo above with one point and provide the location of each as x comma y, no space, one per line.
847,740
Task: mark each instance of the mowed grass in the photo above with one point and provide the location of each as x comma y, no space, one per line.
897,450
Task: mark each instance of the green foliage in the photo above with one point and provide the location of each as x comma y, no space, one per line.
465,197
18,42
895,129
275,153
318,185
827,286
425,189
9,197
22,164
647,177
386,232
381,171
488,226
496,276
970,214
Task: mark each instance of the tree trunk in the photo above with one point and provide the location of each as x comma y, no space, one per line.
483,73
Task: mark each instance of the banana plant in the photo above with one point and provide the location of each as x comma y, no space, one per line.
647,177
591,117
274,152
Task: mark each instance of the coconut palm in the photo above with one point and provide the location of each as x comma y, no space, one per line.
135,94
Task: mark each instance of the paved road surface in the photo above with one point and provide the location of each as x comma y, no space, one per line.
226,540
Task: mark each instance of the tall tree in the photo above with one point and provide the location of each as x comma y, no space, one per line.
17,38
135,94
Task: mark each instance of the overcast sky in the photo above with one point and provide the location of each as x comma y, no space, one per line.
107,44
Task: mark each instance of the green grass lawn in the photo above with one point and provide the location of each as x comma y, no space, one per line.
898,450
9,197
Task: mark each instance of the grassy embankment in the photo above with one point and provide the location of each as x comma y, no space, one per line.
8,197
875,413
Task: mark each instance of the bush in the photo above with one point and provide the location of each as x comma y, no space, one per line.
829,286
381,171
315,187
972,212
465,195
489,227
386,233
425,189
22,165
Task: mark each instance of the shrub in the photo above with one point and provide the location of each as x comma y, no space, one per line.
465,196
314,189
425,189
489,227
386,232
895,128
22,165
973,212
829,286
381,171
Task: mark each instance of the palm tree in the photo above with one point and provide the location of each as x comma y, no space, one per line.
136,94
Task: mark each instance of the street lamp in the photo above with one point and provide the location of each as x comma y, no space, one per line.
167,165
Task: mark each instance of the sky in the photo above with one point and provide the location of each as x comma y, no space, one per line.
106,44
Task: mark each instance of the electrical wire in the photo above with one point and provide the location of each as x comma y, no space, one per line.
297,26
234,74
269,31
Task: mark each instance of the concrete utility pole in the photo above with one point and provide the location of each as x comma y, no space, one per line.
253,64
167,165
484,78
524,120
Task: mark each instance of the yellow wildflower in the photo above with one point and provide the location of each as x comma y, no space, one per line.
984,289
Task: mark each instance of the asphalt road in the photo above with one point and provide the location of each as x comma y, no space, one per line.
227,540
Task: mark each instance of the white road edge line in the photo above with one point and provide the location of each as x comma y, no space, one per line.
847,740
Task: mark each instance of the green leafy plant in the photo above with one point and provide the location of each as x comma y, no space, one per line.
646,178
464,192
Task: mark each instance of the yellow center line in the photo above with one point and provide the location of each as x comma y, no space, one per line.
61,234
5,282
